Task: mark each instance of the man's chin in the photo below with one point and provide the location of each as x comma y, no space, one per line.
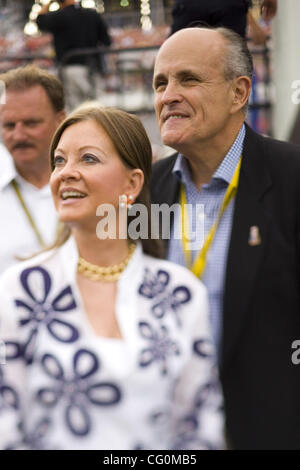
171,140
23,156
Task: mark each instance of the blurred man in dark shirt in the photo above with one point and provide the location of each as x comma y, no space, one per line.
73,28
231,14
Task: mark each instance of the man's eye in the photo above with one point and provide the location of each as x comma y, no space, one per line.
32,123
189,79
159,85
8,125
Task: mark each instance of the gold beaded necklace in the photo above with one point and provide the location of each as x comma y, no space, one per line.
104,273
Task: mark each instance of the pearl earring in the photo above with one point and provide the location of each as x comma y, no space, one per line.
125,201
130,199
122,201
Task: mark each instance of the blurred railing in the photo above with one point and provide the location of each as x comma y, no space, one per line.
127,79
127,75
261,99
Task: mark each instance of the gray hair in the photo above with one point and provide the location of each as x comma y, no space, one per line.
238,59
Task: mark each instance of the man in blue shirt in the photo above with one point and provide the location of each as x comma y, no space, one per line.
231,14
250,262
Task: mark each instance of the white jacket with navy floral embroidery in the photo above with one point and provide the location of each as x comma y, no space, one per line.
63,387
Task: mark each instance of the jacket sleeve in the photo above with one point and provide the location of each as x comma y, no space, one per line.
198,403
48,22
12,378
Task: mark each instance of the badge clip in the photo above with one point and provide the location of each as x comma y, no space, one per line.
254,236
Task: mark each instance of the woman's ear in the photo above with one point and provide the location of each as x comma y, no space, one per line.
135,183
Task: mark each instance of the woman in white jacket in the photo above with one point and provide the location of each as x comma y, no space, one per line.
106,345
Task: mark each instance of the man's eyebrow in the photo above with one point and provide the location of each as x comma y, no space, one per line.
180,74
188,72
25,121
33,120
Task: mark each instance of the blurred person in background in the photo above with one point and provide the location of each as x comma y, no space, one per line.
33,108
259,25
108,346
232,14
268,9
73,28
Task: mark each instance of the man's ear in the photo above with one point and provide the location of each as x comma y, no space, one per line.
241,92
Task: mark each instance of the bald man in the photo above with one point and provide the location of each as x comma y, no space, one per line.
250,263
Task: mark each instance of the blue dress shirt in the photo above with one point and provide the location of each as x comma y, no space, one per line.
210,197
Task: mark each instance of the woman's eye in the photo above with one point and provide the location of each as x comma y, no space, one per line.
90,158
58,161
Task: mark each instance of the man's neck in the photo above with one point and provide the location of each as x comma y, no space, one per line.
67,3
204,162
38,177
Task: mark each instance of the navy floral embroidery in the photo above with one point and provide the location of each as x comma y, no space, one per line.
189,426
188,435
203,348
154,286
8,395
34,439
183,433
37,283
161,346
138,446
179,296
206,393
78,391
159,423
13,350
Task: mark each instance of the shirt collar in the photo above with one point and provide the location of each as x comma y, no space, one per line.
8,170
226,168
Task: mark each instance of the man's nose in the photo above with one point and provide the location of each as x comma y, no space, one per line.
19,132
171,94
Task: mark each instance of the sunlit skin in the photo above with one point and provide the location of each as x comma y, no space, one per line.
28,122
199,112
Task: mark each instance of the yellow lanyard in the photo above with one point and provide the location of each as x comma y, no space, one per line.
199,264
28,215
